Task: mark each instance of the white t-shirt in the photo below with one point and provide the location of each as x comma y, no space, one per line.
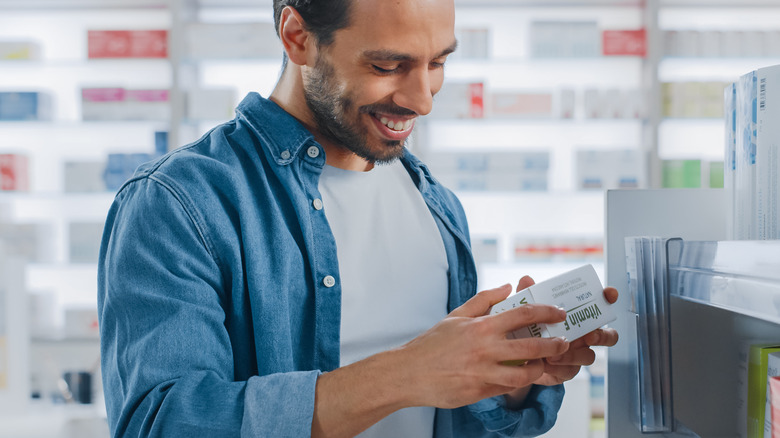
393,270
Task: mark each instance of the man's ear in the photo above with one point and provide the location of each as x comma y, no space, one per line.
297,41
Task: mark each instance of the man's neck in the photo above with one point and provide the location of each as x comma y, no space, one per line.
288,94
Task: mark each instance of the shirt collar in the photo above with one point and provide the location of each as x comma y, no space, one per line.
281,133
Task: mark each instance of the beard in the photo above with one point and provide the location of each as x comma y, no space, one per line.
339,120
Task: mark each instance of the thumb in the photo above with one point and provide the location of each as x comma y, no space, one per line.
480,303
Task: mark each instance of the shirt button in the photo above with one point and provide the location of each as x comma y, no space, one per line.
317,204
329,281
285,155
313,152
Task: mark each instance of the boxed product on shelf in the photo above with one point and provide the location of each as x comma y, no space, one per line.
567,103
772,370
681,174
24,105
692,99
147,104
211,103
715,43
564,39
19,50
84,241
231,40
520,104
624,42
495,170
104,103
26,241
84,176
81,322
460,100
613,103
768,152
161,143
473,43
117,103
757,155
599,169
120,167
730,152
758,357
127,44
14,172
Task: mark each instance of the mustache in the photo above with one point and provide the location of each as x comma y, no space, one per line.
389,109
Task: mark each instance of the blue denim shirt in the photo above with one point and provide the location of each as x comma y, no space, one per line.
216,317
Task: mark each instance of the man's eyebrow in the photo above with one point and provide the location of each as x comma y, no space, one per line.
389,55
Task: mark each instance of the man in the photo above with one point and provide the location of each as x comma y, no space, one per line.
291,273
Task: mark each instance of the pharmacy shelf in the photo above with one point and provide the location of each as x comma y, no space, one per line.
736,276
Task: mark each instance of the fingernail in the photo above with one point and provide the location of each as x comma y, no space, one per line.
563,338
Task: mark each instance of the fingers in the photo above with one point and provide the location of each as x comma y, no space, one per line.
525,316
606,337
529,348
513,377
611,295
480,303
524,282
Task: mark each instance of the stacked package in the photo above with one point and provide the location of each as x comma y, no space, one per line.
752,176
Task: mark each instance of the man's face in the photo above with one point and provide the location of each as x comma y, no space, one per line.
380,73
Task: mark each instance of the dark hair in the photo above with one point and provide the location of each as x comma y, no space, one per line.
321,17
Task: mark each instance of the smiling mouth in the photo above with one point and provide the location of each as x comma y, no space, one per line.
395,125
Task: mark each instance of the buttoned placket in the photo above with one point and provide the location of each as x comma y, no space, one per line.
325,268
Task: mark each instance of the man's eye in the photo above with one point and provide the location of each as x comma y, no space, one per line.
384,71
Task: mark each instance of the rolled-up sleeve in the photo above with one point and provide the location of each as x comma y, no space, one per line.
167,356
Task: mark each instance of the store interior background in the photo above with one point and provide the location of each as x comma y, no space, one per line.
546,105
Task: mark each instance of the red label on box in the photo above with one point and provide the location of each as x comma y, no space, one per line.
624,43
477,100
13,172
127,44
147,95
103,94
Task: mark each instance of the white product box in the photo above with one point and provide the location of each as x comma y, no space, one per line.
84,176
593,104
84,239
745,174
232,40
567,103
81,322
767,156
730,155
521,104
211,104
578,291
608,169
19,50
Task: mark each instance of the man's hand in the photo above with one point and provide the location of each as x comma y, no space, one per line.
563,367
458,361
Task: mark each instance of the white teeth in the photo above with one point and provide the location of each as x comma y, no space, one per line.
396,126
